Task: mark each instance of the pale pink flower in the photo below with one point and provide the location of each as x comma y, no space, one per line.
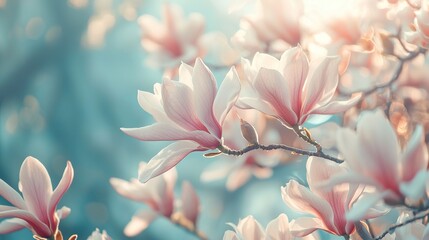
375,158
158,194
329,207
173,40
37,209
190,111
276,21
246,229
97,235
414,231
291,89
420,34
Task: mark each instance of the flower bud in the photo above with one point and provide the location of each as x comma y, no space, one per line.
249,133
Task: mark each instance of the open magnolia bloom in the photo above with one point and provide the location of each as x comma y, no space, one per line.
173,40
375,158
250,229
190,111
329,207
158,194
37,209
291,89
420,32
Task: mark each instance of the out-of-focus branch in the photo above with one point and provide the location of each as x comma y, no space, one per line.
296,151
394,227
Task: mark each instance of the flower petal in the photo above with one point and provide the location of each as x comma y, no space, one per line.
167,158
38,226
415,155
363,204
36,188
204,95
139,223
278,229
415,189
11,195
134,189
250,229
335,107
13,225
304,226
58,193
151,103
190,202
227,95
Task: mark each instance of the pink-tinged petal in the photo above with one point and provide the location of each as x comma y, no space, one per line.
321,84
13,225
304,226
193,29
335,107
38,226
179,105
302,199
133,190
63,212
361,206
238,178
58,193
204,96
375,134
349,146
256,103
139,223
294,64
185,75
347,177
415,155
262,60
230,235
227,95
278,229
272,87
36,188
11,195
167,158
415,189
169,132
151,103
250,229
319,171
190,202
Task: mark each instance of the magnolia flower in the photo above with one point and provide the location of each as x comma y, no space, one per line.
290,89
420,29
158,194
375,158
329,207
97,235
250,229
277,23
414,231
36,210
174,40
190,111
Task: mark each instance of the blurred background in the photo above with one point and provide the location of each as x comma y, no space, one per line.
69,75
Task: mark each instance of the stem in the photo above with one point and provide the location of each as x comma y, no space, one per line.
296,151
370,230
306,137
392,228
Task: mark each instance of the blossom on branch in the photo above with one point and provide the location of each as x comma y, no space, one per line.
329,207
190,111
37,209
291,89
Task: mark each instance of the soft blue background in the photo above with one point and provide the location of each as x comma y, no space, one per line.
61,100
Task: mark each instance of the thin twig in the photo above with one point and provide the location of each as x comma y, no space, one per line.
394,227
370,230
270,147
306,137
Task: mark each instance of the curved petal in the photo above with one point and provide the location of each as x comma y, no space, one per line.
190,202
151,103
226,95
361,207
204,95
257,104
167,158
36,187
134,190
415,189
321,84
302,199
304,226
179,105
250,229
263,60
38,226
294,65
139,223
415,155
13,225
278,229
272,87
238,178
11,195
58,193
335,107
